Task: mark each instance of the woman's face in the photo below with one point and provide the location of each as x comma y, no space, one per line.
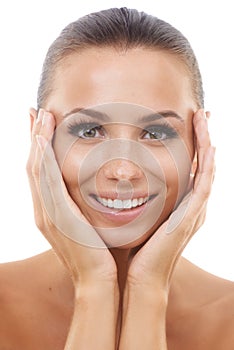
124,138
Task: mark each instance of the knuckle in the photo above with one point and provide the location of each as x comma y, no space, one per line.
206,194
33,169
204,191
35,172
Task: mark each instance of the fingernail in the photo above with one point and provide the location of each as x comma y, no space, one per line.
40,115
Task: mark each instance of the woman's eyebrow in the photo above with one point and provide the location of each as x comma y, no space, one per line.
144,119
89,112
160,115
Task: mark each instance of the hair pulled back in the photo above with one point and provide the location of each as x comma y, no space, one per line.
122,29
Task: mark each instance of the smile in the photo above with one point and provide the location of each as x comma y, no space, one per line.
121,210
122,204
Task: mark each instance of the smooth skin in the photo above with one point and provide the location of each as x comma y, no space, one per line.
140,296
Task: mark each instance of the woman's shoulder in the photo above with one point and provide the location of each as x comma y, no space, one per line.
19,281
30,301
30,277
20,275
15,298
205,309
209,290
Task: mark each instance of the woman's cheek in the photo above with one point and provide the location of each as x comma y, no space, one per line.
70,171
172,184
175,162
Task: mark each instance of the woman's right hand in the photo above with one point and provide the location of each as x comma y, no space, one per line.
54,208
92,269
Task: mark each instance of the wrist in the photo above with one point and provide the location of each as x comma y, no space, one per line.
97,291
146,294
94,318
143,306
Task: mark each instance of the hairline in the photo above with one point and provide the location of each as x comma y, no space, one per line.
119,48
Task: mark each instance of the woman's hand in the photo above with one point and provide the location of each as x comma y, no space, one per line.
58,217
155,261
93,270
150,271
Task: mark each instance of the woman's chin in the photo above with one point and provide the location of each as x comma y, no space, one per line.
128,230
123,241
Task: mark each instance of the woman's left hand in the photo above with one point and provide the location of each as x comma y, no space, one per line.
153,264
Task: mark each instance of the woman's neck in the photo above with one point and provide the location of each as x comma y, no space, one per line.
122,258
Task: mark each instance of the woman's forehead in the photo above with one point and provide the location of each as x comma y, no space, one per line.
153,79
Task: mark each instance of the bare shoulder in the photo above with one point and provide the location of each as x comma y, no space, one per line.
224,312
219,315
16,290
19,277
200,310
31,302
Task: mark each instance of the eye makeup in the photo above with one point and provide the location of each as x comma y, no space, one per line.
90,129
159,132
86,129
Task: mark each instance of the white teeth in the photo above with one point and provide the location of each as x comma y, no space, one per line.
127,203
122,204
105,202
140,201
110,203
117,204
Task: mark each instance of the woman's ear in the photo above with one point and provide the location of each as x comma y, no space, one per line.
33,116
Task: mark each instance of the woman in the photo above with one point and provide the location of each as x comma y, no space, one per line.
120,168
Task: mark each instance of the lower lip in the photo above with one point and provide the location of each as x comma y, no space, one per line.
118,215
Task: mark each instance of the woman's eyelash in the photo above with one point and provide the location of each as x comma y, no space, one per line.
158,132
79,128
161,131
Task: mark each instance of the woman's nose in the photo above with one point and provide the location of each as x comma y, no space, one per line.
122,169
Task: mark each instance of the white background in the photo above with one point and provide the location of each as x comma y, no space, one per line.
26,30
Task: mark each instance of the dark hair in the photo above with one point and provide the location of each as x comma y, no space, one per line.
122,29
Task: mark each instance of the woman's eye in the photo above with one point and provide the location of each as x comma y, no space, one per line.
86,130
159,132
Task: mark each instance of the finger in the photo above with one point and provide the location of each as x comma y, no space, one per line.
44,124
193,205
203,189
47,125
43,132
202,139
33,155
205,181
201,133
32,170
35,130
